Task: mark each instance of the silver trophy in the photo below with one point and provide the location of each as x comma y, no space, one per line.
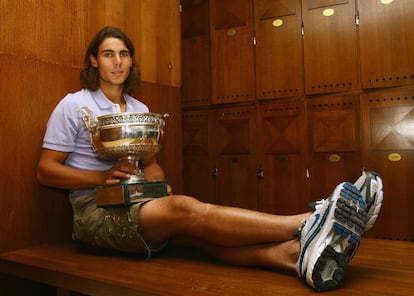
126,136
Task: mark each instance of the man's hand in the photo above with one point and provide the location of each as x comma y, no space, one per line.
169,189
120,171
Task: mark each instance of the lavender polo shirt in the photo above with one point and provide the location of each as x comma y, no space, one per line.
66,131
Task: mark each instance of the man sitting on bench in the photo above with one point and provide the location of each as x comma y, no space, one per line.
317,245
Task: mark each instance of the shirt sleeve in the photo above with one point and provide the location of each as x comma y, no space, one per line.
62,127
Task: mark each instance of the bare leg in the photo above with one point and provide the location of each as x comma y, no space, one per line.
328,238
183,216
275,255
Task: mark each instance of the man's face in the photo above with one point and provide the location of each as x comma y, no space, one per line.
113,62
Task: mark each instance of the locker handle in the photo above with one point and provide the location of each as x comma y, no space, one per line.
260,172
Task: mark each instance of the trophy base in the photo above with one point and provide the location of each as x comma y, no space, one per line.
126,194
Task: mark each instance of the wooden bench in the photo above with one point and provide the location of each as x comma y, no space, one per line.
381,267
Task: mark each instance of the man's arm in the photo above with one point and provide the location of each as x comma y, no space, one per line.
152,170
52,172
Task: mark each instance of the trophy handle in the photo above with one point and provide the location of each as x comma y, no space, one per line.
89,119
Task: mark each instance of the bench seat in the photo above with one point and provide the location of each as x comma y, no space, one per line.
381,267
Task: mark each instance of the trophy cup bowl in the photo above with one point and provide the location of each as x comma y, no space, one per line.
126,136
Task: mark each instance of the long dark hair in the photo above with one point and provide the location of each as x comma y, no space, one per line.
89,75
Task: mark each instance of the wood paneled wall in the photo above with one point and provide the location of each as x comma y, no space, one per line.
332,83
41,53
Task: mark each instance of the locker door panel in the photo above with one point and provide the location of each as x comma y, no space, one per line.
386,43
232,51
279,52
196,89
196,69
388,118
235,156
335,142
283,187
330,46
198,156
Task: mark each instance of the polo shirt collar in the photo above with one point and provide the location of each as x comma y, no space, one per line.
103,102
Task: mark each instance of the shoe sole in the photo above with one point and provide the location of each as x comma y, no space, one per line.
338,234
376,204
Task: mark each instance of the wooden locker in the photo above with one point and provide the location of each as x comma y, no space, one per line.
282,129
335,142
386,43
196,88
198,157
278,50
156,25
388,118
232,51
235,157
330,46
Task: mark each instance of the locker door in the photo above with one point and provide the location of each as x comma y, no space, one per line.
283,187
335,142
386,43
198,157
232,51
330,46
388,118
235,144
196,88
279,51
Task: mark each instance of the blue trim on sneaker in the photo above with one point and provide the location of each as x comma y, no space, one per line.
314,234
329,236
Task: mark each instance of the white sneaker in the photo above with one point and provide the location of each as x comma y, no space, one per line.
370,186
330,236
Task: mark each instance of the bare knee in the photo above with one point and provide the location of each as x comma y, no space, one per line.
172,216
187,207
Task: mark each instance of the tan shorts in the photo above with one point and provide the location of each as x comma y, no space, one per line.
109,228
